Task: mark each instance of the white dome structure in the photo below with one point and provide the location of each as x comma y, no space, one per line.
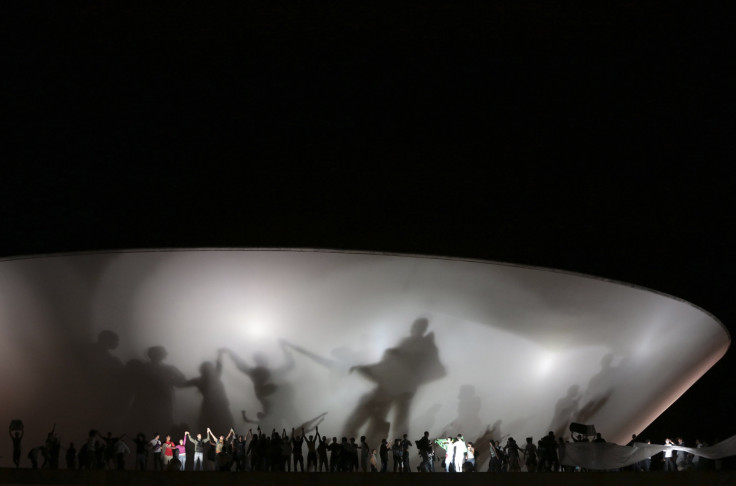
359,343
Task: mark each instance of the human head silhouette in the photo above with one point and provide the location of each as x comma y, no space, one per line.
419,327
206,368
157,354
108,340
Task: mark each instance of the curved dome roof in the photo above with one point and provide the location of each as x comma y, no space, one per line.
360,343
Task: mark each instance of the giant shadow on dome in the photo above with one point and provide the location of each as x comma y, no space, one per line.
152,385
397,377
215,409
273,390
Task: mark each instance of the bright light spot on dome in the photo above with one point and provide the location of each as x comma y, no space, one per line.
546,363
255,330
255,325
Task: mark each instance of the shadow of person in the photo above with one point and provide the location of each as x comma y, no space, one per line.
215,409
566,411
599,390
273,391
468,419
398,375
468,412
102,397
152,384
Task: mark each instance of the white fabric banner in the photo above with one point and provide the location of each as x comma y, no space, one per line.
600,456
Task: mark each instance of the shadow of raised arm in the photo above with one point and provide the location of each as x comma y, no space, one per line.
326,362
239,363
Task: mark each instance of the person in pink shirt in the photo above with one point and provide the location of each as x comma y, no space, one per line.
182,449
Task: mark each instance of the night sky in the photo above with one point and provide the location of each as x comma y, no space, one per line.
597,140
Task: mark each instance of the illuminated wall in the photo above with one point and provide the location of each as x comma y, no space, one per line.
357,342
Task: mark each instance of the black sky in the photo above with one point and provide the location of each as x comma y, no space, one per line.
595,139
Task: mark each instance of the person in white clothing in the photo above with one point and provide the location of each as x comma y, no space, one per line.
446,444
669,461
460,450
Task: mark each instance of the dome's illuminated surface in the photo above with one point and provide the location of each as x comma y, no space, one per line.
362,342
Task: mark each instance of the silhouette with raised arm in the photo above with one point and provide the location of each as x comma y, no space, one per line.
215,409
261,376
271,388
16,432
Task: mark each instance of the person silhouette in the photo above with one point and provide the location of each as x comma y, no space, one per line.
599,390
215,409
566,410
153,385
468,412
16,432
398,375
271,388
71,457
100,393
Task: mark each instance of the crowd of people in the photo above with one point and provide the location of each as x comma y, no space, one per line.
284,451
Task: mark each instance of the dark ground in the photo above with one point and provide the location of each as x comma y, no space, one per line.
10,476
596,139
